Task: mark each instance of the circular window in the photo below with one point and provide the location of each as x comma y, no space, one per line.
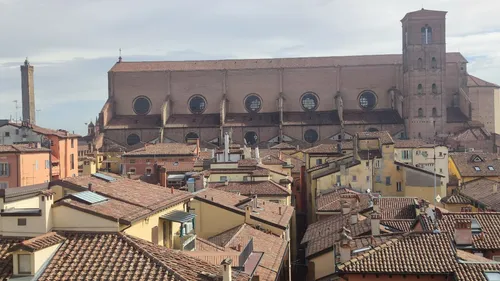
142,105
253,103
309,101
133,139
197,104
367,100
311,136
191,135
251,138
372,130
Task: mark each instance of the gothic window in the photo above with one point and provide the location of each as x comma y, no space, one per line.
434,112
251,138
142,105
434,88
426,35
420,63
420,112
311,136
367,100
133,139
253,103
197,104
420,89
191,135
434,63
309,101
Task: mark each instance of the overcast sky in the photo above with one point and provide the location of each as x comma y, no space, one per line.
72,44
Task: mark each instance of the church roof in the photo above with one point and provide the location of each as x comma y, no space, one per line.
473,81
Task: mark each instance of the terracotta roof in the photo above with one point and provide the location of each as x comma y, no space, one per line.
331,200
323,149
260,188
376,117
482,191
272,160
109,145
129,200
271,213
38,243
412,143
283,146
456,199
44,131
6,263
207,246
400,225
117,256
383,136
251,162
167,149
467,161
489,223
473,81
151,121
193,121
21,148
397,207
334,169
276,63
471,134
255,172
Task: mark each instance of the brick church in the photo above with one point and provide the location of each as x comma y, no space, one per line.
423,93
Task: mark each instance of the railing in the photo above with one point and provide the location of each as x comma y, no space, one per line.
185,242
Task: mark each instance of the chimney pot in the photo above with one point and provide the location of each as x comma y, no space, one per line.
463,232
226,269
279,209
90,186
375,223
172,189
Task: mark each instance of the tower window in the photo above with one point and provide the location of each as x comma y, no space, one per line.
142,105
434,88
434,111
420,63
420,89
426,32
191,135
251,138
311,136
420,112
434,63
197,104
309,101
253,103
367,100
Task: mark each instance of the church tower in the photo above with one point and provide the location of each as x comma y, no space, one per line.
28,92
424,73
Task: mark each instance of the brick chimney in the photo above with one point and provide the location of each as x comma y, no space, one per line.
226,269
463,231
90,186
345,246
375,223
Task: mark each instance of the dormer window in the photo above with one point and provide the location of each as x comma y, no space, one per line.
477,168
491,168
24,264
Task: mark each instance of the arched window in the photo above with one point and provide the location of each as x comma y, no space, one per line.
426,35
420,63
434,112
309,101
253,103
141,105
133,139
434,63
367,100
191,135
311,136
420,112
420,89
434,88
197,104
251,138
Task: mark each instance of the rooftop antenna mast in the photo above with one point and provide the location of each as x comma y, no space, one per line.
17,107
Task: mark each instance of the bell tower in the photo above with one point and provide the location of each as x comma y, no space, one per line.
28,92
424,73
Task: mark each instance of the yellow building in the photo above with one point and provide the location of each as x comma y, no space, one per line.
468,166
88,165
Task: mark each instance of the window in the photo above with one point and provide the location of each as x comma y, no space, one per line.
191,136
253,103
24,263
132,171
4,185
434,63
434,112
141,105
354,178
132,161
420,63
246,178
367,178
311,136
367,163
133,139
47,164
21,222
434,88
7,134
367,100
251,138
440,153
309,101
420,112
398,186
405,154
477,168
420,89
426,35
338,179
51,143
149,171
71,161
455,101
319,161
377,163
491,168
17,131
388,180
441,170
197,104
223,178
378,178
72,143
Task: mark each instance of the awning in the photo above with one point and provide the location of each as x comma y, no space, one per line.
176,177
178,216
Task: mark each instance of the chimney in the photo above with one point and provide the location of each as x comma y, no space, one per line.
172,189
463,231
129,175
257,154
298,147
212,153
345,247
495,188
226,269
376,206
226,147
238,248
248,212
226,182
90,186
279,210
346,208
354,217
375,222
255,202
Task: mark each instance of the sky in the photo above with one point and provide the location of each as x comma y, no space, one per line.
72,44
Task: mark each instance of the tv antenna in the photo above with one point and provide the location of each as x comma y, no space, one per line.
17,107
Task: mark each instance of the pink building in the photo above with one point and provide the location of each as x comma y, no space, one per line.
22,165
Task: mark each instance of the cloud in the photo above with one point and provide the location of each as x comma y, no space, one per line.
74,43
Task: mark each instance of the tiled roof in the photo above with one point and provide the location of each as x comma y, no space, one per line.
283,146
251,162
151,121
334,169
272,160
482,191
456,199
403,225
21,148
45,131
256,172
277,63
270,212
39,242
116,256
331,200
397,207
193,120
129,200
490,226
383,136
168,149
376,117
467,161
473,81
6,263
260,188
207,246
418,253
471,134
323,149
412,143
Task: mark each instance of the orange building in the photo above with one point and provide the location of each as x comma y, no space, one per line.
25,164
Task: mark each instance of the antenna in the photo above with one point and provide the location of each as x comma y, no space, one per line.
17,107
120,57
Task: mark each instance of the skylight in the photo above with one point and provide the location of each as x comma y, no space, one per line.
491,168
477,168
476,227
492,276
103,177
88,197
361,250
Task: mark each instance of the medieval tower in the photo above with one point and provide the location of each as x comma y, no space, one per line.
28,92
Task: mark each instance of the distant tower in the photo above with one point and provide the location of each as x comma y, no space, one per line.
28,92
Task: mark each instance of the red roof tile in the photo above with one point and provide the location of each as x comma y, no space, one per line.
39,242
22,148
260,188
167,149
487,164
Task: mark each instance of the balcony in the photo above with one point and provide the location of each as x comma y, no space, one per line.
185,238
186,242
